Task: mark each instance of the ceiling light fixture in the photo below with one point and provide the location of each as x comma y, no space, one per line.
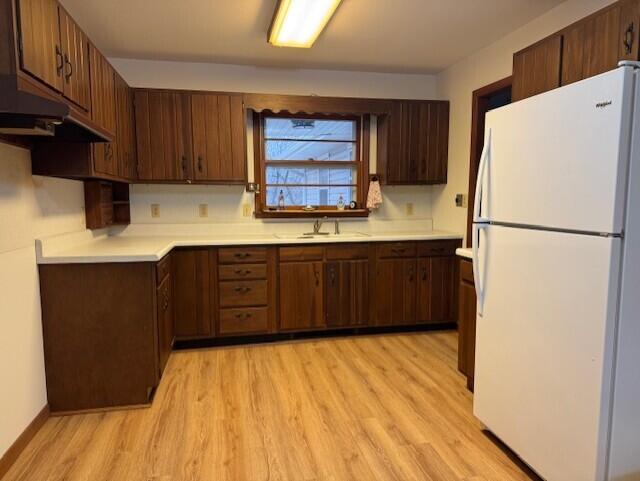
297,23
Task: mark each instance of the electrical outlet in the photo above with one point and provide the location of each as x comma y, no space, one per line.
408,208
155,210
461,200
203,210
246,210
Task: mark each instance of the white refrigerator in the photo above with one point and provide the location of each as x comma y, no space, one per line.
556,244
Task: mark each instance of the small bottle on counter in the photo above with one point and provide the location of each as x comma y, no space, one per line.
340,204
281,200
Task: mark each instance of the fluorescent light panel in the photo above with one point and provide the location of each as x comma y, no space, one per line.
297,23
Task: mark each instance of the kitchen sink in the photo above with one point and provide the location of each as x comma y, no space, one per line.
323,235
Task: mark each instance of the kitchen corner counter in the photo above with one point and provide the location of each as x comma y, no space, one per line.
150,248
465,252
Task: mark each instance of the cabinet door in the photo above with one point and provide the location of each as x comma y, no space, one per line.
347,293
75,51
165,323
435,287
301,296
601,42
432,144
629,30
395,292
573,58
467,331
537,68
103,96
391,152
218,137
105,158
155,119
41,54
183,141
191,293
125,134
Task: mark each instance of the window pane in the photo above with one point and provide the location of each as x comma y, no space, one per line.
311,175
309,150
317,196
310,129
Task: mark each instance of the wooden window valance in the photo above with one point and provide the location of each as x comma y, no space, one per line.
311,104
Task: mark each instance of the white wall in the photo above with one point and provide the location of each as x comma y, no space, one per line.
486,66
179,204
30,207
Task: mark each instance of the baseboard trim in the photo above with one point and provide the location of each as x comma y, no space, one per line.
10,457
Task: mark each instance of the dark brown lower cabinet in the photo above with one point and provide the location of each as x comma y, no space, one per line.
395,292
435,286
301,295
192,270
347,293
103,337
165,322
466,321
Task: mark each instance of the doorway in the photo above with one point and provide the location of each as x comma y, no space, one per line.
485,99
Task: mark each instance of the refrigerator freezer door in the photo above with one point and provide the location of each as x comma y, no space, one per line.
544,347
559,159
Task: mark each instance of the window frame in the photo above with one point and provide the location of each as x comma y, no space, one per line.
361,164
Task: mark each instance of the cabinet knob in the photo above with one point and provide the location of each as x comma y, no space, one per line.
59,60
69,70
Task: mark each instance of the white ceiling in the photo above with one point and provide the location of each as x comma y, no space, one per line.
421,36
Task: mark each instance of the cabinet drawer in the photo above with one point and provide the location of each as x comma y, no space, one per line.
298,253
243,293
347,252
162,268
466,271
438,248
244,321
242,271
397,249
239,255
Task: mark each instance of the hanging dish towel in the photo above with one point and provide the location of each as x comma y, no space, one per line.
374,198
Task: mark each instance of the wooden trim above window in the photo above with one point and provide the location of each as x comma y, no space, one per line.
312,104
361,164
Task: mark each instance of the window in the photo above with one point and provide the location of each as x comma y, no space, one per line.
309,161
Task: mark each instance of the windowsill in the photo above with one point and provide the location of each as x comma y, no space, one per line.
303,214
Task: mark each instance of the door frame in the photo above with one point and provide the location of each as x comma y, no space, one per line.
479,108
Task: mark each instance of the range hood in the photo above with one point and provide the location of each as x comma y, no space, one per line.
26,114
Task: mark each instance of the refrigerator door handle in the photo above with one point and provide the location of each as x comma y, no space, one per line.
477,275
484,160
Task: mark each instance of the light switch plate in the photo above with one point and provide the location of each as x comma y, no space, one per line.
203,210
461,200
155,210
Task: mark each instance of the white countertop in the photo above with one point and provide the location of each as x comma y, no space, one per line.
84,248
465,252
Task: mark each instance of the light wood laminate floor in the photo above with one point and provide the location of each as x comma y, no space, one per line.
387,407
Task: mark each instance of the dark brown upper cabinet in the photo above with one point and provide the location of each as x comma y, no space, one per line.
103,92
537,68
589,47
190,137
40,45
125,130
46,54
413,142
75,58
219,147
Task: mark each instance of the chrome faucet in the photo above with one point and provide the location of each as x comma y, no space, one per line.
317,225
336,227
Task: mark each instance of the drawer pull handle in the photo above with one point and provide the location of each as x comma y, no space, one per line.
424,274
397,251
628,39
240,272
243,316
242,289
241,255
